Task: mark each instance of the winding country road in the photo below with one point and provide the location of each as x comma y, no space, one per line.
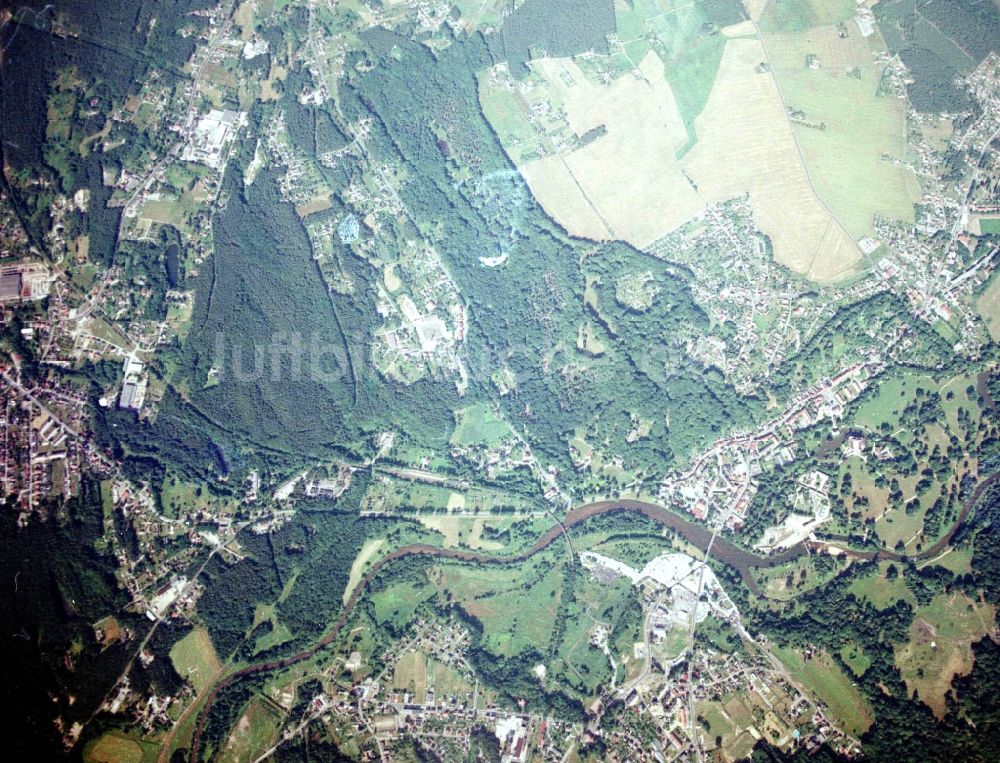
698,535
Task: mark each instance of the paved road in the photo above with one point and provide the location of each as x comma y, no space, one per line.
698,535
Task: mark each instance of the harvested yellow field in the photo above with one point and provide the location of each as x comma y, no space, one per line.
754,8
843,128
626,183
318,204
114,748
743,29
745,145
360,564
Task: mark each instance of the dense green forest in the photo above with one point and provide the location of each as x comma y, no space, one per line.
939,42
515,328
114,48
557,27
58,580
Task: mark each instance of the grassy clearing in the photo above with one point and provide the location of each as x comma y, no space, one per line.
956,560
887,406
387,494
879,590
195,659
896,526
397,603
367,552
939,645
477,424
410,675
800,15
718,724
278,634
827,681
517,605
114,747
855,658
845,158
507,117
960,400
253,734
988,303
463,530
794,578
679,36
446,680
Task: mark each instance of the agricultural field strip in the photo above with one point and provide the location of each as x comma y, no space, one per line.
798,148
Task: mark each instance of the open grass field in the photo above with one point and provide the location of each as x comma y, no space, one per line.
635,552
746,145
516,605
954,559
678,33
194,658
894,395
387,494
988,303
166,211
463,530
253,734
719,724
367,552
479,14
477,425
739,714
939,647
827,682
800,15
179,495
398,602
774,581
855,658
896,525
845,159
278,635
410,674
507,106
117,747
878,589
446,680
626,183
689,121
960,399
